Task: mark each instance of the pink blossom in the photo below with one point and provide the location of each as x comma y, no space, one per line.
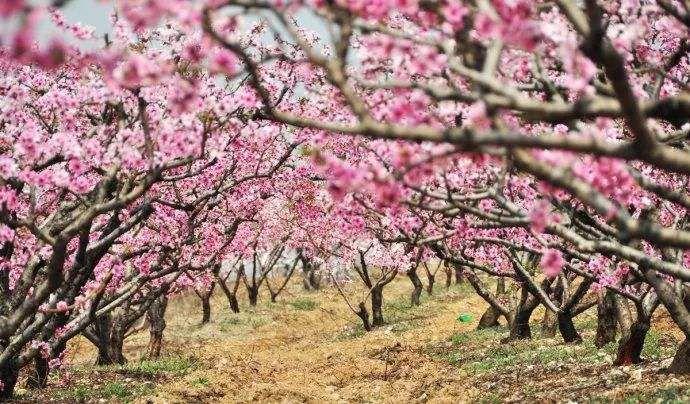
552,262
225,62
10,7
539,217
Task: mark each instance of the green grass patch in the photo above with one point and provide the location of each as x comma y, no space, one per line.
480,351
303,303
169,366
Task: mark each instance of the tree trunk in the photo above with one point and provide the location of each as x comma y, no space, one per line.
458,275
314,280
377,306
631,344
519,327
253,295
681,361
364,315
205,309
233,303
606,320
156,318
9,374
549,324
110,340
567,328
489,319
430,286
449,276
417,285
492,314
519,324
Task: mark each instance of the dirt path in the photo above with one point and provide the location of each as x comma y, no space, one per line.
308,347
290,352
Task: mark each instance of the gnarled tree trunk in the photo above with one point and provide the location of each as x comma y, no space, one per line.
156,317
519,325
417,286
606,320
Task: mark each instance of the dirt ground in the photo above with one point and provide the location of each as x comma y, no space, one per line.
308,347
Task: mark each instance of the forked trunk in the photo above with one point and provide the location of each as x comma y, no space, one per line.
233,303
111,336
519,326
519,323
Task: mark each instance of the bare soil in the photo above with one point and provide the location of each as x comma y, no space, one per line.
308,347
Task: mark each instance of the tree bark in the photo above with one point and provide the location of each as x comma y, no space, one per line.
492,314
233,303
110,340
449,276
489,319
377,306
631,344
430,285
519,324
681,361
363,314
458,275
9,374
205,309
567,328
417,286
549,324
253,295
156,318
606,320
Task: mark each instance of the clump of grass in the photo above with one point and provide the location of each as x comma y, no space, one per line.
172,365
303,303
